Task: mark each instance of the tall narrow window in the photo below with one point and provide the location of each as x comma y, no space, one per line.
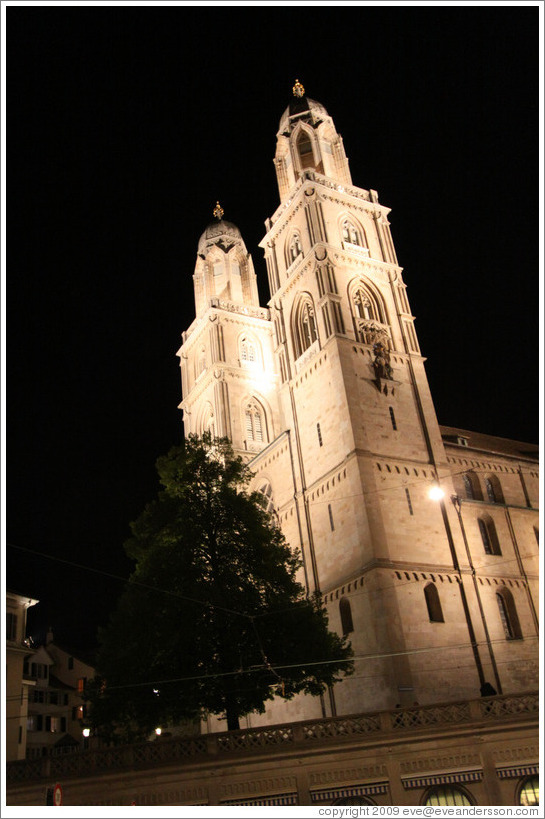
267,497
490,490
330,517
247,351
295,248
489,536
508,615
409,504
392,418
350,233
303,325
254,423
304,146
468,486
346,616
319,431
11,626
433,603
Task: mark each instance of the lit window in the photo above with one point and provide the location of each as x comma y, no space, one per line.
81,684
446,795
529,792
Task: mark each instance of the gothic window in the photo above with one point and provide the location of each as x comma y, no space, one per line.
529,791
446,795
265,490
433,603
208,422
304,325
254,421
295,248
493,489
489,536
346,616
366,309
248,353
350,233
508,615
304,148
472,487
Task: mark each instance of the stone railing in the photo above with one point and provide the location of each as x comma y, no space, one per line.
262,740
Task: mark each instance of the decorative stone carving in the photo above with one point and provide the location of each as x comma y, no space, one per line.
381,364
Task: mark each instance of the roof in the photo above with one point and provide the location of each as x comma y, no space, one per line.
299,106
490,443
215,232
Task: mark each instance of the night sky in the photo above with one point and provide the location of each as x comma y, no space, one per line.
126,124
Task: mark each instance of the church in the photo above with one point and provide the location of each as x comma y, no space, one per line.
422,539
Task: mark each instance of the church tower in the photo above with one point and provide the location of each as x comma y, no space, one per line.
325,393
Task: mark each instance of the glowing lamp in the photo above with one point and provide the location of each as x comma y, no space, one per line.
436,493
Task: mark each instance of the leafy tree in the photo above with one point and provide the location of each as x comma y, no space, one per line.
213,617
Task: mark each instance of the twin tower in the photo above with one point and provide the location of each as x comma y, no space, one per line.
324,393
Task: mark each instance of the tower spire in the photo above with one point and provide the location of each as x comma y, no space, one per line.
298,90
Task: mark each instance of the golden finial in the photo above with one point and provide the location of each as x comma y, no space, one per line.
298,90
218,211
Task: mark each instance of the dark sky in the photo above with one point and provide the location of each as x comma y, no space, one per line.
125,124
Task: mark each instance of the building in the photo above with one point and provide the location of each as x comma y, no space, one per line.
18,647
56,712
324,392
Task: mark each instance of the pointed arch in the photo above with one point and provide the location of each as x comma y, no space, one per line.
433,604
207,420
200,361
304,148
489,536
303,324
255,424
508,614
293,247
265,490
472,486
352,231
368,313
493,488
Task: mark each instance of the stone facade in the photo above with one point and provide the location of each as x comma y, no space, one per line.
325,393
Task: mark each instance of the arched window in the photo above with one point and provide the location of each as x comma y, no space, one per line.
508,615
489,536
433,603
304,326
493,489
446,795
470,492
255,422
529,791
207,420
295,248
346,616
351,233
367,312
248,353
265,489
304,148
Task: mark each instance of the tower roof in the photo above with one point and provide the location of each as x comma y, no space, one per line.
219,232
301,108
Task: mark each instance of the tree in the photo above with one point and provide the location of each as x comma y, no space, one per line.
213,617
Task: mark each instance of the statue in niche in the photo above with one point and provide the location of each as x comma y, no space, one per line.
381,364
